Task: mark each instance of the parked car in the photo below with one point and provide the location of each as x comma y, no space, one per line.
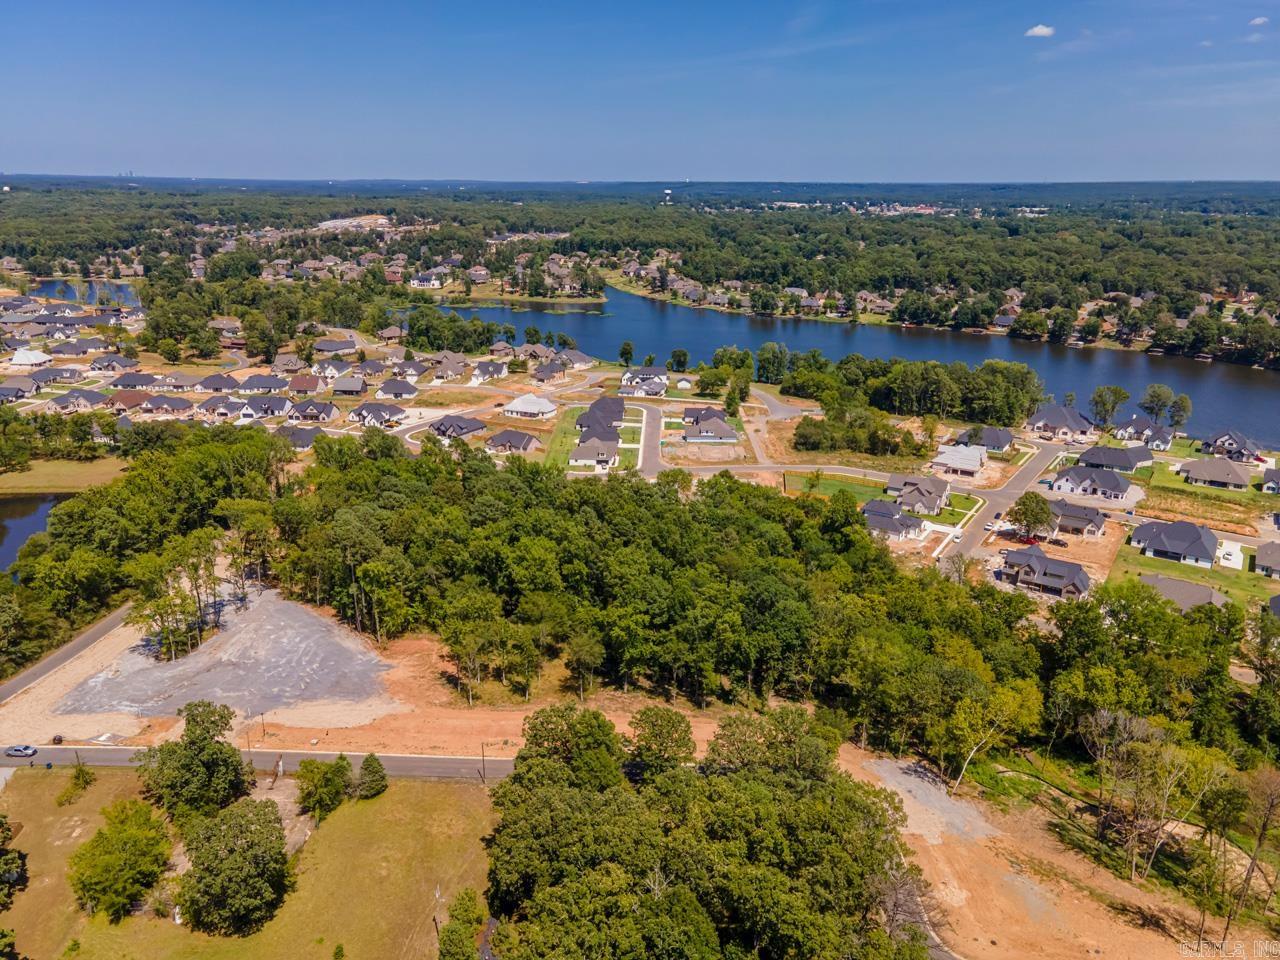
1055,542
989,527
958,537
1000,513
1026,540
22,750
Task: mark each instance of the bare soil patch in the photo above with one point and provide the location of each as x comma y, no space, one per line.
1095,554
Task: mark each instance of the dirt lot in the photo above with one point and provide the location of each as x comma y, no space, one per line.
680,454
994,475
1004,888
1095,554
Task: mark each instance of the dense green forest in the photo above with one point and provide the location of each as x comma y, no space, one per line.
616,849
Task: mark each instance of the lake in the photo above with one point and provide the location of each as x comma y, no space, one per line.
86,291
1223,395
20,517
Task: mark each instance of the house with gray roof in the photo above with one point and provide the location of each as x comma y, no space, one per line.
1034,570
1076,519
1124,459
1234,445
1091,482
486,370
374,414
995,439
600,455
1181,541
1217,472
349,386
300,438
1267,560
393,389
1183,594
1271,480
926,495
263,383
313,411
453,427
512,441
1137,427
1058,422
890,521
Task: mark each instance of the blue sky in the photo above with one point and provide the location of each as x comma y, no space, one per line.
861,90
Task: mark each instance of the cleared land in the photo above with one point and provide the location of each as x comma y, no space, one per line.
61,476
366,879
778,445
1170,497
865,489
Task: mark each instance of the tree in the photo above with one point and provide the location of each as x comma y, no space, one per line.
239,870
1031,513
13,866
662,740
1179,411
978,724
122,861
1104,403
323,786
1156,401
170,350
626,352
458,936
200,771
679,360
711,380
1264,810
373,777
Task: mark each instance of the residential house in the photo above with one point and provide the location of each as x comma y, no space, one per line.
641,375
304,384
166,405
454,427
47,375
487,370
287,363
512,441
995,439
1077,519
951,459
112,363
261,408
478,274
409,370
535,352
1213,472
313,411
1091,482
1160,439
502,350
391,334
132,380
331,369
263,383
598,454
394,390
1124,459
218,383
76,401
175,382
1034,570
530,406
349,386
1271,480
1181,541
374,414
221,407
1057,422
1137,427
1267,560
446,370
710,430
1182,593
1234,445
78,348
124,400
927,495
28,359
575,359
371,369
549,373
332,347
300,438
888,520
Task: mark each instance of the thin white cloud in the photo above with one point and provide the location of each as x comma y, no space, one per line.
1040,30
1206,43
1255,38
1259,21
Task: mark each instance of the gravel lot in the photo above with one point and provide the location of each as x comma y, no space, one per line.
274,654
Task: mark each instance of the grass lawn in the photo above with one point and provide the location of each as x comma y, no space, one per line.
365,879
1169,492
628,459
629,434
61,476
1243,586
959,506
564,438
862,488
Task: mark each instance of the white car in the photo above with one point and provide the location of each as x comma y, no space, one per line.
989,527
958,537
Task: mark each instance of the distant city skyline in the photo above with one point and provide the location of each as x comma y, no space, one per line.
868,91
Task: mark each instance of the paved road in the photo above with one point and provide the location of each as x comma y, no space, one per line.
397,764
650,440
87,638
1002,498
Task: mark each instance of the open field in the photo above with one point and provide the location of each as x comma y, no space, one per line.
778,445
366,879
1243,586
564,438
61,476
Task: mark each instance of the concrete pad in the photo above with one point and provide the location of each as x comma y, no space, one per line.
1231,555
